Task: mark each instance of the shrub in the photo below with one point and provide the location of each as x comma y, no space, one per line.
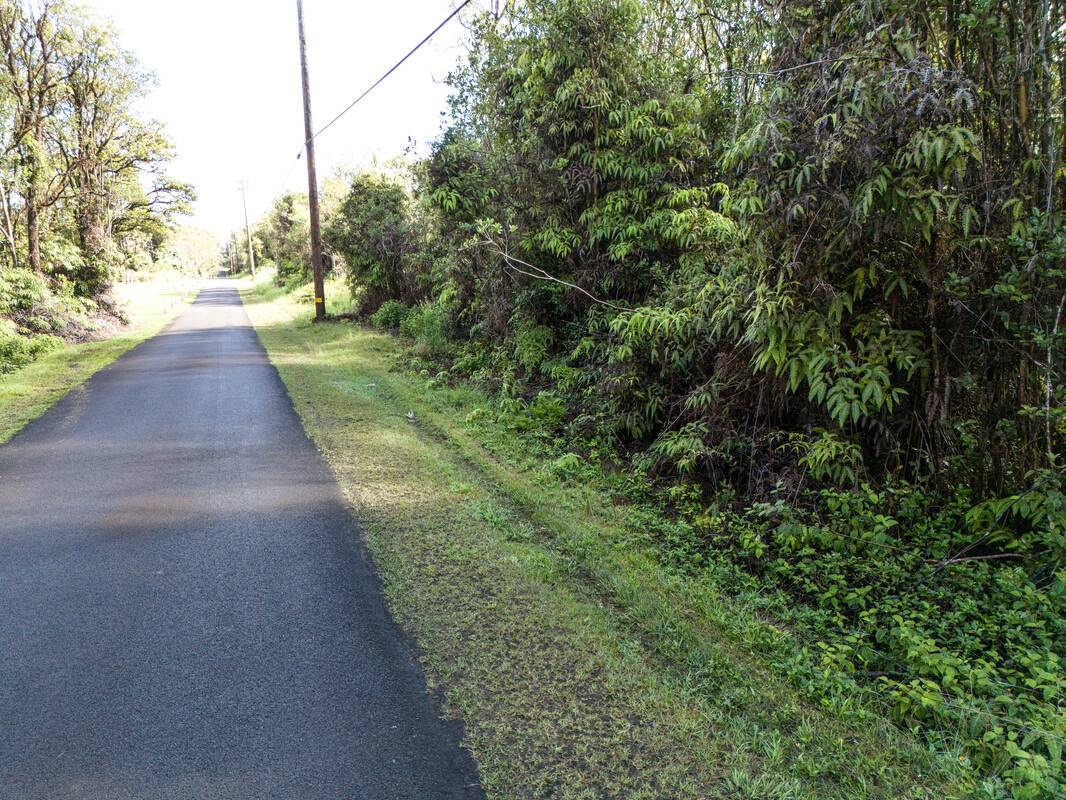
390,315
37,305
425,325
18,351
373,231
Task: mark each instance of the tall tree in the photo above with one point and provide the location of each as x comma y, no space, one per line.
34,44
80,169
106,149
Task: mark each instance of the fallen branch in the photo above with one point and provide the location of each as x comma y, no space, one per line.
951,561
540,274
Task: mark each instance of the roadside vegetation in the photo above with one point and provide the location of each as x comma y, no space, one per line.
582,664
785,284
28,390
84,197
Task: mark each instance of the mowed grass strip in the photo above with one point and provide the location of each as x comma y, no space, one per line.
580,668
28,392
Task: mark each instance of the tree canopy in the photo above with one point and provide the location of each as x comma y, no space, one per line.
82,172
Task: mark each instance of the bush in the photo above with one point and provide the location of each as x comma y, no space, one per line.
374,232
36,305
390,315
18,351
425,324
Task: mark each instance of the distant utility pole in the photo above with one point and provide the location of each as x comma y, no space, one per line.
247,229
312,180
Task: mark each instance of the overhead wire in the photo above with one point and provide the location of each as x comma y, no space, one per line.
886,656
372,87
380,80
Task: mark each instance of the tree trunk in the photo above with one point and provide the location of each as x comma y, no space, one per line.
9,228
33,230
92,233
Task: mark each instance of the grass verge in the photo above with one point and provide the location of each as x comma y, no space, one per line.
28,392
581,666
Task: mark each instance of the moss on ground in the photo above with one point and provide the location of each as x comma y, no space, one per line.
581,668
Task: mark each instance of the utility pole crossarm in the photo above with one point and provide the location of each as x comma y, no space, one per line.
312,180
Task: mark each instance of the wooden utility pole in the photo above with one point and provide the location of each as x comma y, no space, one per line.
312,180
248,230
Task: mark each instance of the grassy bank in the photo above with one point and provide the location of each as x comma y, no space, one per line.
28,392
581,665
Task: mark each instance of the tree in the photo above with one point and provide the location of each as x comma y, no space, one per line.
36,48
106,151
75,154
190,250
373,231
800,266
284,234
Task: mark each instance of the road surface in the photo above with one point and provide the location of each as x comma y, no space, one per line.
186,608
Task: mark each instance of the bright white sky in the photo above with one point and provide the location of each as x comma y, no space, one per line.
229,87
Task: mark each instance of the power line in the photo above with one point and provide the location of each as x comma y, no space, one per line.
285,181
392,69
373,86
299,155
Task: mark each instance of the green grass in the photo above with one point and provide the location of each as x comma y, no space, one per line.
581,667
28,392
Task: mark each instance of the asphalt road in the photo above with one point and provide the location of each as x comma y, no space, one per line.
186,607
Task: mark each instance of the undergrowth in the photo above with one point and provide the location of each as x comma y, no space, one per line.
586,659
882,589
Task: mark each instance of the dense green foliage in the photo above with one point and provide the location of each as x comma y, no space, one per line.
82,190
798,269
281,238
